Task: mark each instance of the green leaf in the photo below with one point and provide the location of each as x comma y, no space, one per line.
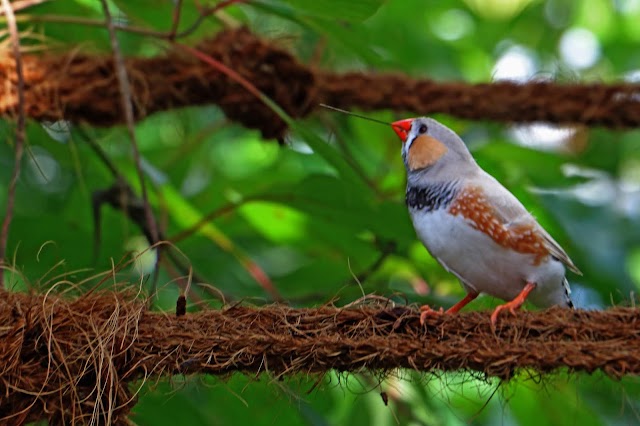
353,10
158,14
342,35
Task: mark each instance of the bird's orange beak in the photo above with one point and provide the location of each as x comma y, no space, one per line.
402,128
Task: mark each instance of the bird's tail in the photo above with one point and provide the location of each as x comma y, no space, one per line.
567,293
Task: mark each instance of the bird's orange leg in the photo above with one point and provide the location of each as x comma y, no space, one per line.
427,311
461,304
514,304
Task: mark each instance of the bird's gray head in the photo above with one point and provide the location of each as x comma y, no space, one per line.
428,144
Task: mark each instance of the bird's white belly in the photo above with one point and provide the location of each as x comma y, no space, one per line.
483,265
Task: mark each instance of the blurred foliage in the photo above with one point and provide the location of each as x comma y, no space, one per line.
327,210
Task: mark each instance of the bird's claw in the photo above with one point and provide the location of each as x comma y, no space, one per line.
510,306
428,311
513,305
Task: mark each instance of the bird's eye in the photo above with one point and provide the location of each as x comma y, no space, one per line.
422,128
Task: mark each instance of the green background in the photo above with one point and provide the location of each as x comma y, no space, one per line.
329,206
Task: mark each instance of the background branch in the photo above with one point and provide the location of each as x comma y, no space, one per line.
82,88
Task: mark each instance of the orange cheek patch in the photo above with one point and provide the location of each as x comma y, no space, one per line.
425,151
472,205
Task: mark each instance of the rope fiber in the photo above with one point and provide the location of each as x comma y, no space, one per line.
83,88
56,353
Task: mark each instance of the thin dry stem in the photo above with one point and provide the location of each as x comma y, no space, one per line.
17,5
177,11
126,99
20,135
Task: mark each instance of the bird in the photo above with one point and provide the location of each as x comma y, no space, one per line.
474,227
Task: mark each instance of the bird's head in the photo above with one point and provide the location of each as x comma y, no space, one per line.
428,144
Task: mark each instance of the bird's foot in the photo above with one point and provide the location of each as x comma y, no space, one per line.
428,311
513,305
